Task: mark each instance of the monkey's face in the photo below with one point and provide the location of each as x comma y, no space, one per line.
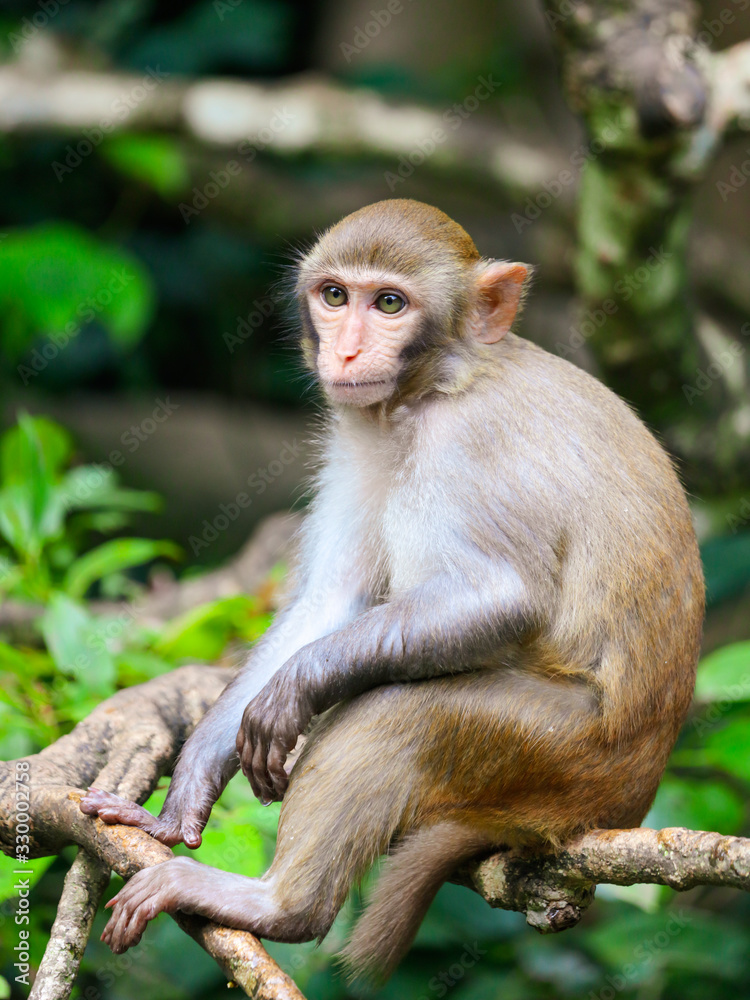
363,324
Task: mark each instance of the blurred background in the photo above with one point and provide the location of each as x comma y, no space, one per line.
161,165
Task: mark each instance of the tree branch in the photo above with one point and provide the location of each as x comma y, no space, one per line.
299,116
125,745
84,886
133,737
126,850
655,103
553,890
729,108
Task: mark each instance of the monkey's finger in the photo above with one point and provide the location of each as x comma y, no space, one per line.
131,896
246,763
260,773
279,777
112,933
127,930
112,809
191,833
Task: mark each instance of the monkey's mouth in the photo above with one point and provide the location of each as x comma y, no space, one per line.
356,385
358,393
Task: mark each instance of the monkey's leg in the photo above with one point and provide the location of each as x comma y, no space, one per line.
445,769
191,887
297,899
446,765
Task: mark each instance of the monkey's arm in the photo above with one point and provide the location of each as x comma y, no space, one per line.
333,589
447,625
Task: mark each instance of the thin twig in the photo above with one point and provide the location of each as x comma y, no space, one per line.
84,885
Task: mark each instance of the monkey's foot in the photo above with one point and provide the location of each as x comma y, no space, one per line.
180,884
112,809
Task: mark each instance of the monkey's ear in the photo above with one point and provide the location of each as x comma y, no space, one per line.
499,290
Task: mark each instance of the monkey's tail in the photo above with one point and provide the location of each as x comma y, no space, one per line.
408,884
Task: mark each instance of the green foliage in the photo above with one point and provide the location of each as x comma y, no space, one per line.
47,513
724,675
252,33
55,278
203,632
154,160
726,561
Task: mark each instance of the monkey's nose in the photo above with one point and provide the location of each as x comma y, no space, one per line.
347,352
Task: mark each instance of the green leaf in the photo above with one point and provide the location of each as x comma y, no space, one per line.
638,944
55,443
203,632
93,487
156,160
698,805
31,510
55,278
8,878
724,675
111,557
10,575
77,644
728,748
24,663
135,667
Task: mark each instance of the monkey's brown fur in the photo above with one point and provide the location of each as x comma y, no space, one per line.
567,702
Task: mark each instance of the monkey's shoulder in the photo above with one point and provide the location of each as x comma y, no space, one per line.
534,384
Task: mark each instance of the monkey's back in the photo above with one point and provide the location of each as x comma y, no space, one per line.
589,506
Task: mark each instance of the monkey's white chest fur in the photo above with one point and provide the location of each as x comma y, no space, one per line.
392,486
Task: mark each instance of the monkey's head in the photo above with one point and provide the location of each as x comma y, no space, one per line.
394,297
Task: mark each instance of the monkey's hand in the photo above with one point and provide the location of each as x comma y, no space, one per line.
172,827
180,884
271,725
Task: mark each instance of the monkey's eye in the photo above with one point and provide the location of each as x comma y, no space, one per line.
389,302
334,295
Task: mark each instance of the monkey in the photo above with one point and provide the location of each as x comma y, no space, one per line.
494,631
